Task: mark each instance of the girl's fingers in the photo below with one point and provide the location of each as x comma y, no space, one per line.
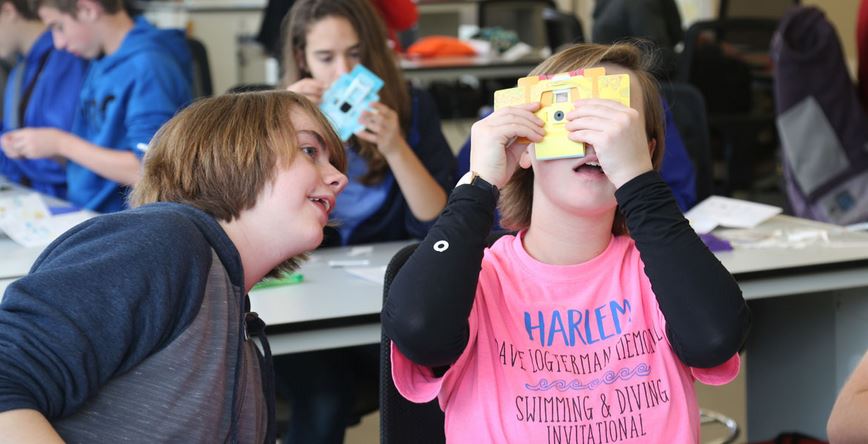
518,130
588,122
517,112
366,136
586,136
525,119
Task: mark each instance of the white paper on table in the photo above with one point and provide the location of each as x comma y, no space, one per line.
360,250
372,274
40,232
724,211
23,207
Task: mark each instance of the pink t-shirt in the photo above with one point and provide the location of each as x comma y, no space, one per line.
564,354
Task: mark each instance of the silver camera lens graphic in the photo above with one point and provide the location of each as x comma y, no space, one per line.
558,116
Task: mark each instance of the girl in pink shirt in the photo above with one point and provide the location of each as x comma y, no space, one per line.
591,323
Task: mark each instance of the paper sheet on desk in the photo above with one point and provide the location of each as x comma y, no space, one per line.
28,221
371,274
39,233
23,207
727,212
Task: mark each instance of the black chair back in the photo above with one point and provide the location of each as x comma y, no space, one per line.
729,62
688,111
751,8
202,86
402,421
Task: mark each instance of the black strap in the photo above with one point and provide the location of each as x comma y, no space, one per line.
256,329
28,91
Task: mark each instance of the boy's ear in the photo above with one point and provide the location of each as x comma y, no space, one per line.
89,10
652,147
524,160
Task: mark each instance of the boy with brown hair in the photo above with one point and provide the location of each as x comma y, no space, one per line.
133,326
139,78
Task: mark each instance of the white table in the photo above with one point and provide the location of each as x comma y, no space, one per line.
809,329
809,305
330,308
481,67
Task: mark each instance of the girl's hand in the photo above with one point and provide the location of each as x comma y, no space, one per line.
382,128
617,134
310,88
494,154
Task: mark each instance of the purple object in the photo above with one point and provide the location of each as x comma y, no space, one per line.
63,210
715,243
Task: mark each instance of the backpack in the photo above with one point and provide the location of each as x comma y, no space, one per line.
821,124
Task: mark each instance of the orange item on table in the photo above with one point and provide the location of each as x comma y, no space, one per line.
440,46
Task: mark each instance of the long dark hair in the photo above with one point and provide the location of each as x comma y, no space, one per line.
375,55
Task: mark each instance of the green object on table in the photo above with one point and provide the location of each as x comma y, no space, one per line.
285,279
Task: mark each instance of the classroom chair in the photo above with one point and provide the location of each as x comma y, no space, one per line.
728,61
688,111
402,421
751,8
708,418
202,86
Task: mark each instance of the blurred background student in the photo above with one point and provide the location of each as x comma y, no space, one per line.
398,15
399,169
139,77
41,91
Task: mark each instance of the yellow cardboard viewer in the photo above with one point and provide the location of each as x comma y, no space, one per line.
556,94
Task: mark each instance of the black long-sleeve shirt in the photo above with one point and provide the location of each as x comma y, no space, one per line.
426,313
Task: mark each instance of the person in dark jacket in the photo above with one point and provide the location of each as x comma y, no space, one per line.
135,326
400,167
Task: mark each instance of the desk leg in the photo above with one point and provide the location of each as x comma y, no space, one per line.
801,349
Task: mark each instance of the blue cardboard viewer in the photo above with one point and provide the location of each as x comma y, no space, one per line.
348,96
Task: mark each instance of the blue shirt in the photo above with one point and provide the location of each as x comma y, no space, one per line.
125,99
52,103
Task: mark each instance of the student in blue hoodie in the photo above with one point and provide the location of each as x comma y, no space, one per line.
41,91
138,78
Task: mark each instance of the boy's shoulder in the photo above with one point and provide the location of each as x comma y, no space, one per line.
156,229
150,49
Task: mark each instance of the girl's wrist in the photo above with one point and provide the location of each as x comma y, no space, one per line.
399,149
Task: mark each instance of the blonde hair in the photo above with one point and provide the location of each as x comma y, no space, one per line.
219,153
516,198
375,55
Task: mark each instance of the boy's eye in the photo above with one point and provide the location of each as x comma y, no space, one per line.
326,59
356,55
310,150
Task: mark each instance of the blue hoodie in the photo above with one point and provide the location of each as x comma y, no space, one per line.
125,99
52,103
